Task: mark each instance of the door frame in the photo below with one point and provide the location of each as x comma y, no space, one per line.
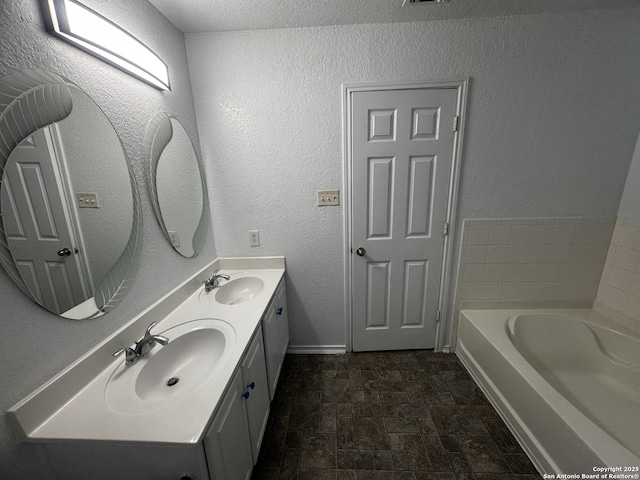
71,213
461,85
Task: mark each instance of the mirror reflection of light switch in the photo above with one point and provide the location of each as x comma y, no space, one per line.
87,200
175,239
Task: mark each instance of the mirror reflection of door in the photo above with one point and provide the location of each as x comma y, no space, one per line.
75,262
39,223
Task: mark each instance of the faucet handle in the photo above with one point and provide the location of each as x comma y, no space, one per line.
130,355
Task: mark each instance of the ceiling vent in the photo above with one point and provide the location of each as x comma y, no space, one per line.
422,2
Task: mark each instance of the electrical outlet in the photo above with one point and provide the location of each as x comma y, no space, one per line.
254,238
87,200
175,238
328,197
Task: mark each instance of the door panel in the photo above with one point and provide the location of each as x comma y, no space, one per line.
420,200
380,205
425,123
378,295
402,148
415,300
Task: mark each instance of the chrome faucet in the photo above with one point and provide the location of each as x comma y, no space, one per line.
214,281
142,346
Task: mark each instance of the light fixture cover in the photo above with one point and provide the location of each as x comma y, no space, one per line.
93,33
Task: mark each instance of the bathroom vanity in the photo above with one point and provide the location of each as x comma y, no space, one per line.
195,408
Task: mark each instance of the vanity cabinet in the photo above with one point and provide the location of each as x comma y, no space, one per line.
275,324
233,440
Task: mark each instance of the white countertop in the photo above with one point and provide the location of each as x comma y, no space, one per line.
87,416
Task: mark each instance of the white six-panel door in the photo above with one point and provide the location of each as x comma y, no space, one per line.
401,154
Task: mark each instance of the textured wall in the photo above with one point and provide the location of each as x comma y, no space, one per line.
630,203
34,344
551,127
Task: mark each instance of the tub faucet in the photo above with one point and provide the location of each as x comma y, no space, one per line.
142,346
214,281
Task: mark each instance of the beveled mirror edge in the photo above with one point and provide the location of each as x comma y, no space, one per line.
117,281
159,134
31,99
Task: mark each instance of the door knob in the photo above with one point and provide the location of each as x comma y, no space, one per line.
65,252
361,252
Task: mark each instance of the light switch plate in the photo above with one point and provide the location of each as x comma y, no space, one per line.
328,198
87,200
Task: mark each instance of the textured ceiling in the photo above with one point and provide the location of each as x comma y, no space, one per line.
224,15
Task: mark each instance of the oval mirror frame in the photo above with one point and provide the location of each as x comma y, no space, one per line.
164,129
30,100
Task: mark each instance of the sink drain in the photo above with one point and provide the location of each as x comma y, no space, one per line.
172,381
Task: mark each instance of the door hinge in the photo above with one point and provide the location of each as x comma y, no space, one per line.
456,123
438,316
445,231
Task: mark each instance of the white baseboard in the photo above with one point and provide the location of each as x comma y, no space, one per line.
333,349
316,349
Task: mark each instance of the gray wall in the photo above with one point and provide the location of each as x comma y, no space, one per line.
34,344
630,203
551,128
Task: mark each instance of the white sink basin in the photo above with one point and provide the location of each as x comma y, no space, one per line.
239,290
196,352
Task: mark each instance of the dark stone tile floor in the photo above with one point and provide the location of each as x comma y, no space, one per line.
408,415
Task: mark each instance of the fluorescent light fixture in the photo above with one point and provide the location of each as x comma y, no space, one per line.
93,33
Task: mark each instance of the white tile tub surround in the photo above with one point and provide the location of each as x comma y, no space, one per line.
620,284
532,260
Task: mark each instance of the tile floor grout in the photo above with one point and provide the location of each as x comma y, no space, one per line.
408,415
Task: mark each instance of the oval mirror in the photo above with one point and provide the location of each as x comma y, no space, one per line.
71,222
177,185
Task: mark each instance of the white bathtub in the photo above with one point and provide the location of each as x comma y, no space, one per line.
566,382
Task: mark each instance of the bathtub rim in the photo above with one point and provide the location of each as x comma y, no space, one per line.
471,337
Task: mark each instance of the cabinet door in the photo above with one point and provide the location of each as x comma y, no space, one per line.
271,348
227,444
282,320
276,332
254,373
